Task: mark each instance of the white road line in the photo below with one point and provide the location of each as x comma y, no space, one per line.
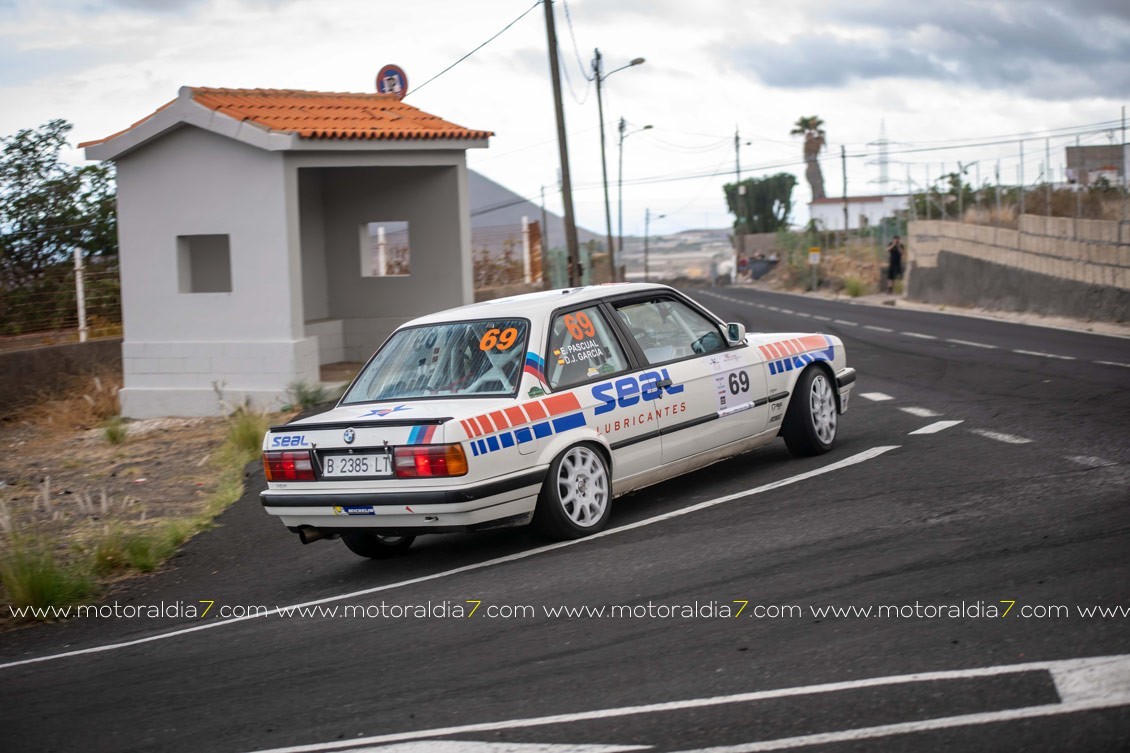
935,427
878,397
1091,683
860,457
787,311
801,313
822,318
846,323
470,746
919,335
1101,688
920,412
1114,363
1006,438
970,343
1090,462
877,329
773,308
1043,355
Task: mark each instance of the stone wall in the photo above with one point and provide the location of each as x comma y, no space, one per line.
1051,265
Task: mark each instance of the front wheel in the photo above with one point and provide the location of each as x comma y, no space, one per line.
374,546
810,422
575,498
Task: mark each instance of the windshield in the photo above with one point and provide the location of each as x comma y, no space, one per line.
464,359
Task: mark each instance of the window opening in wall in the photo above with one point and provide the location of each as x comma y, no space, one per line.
204,263
384,249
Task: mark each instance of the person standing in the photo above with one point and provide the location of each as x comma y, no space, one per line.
895,255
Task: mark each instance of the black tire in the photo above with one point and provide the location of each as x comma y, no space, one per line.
374,546
810,422
576,498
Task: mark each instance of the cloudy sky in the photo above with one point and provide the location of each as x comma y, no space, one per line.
956,81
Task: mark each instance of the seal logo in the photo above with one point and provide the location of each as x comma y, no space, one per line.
349,436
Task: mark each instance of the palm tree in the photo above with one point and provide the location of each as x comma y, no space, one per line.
811,127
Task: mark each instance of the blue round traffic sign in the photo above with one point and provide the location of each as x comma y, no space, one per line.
392,80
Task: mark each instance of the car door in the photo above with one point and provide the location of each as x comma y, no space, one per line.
586,355
713,391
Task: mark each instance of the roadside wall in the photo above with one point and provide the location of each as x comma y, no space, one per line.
1055,266
28,373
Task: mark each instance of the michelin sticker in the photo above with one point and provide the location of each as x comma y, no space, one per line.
357,510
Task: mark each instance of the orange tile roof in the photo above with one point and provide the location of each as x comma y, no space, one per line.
326,115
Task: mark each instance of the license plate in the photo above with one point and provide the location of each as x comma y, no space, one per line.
357,466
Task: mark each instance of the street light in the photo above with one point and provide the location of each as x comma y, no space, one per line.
646,230
620,195
599,76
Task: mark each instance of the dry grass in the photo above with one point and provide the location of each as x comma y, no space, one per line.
82,507
87,402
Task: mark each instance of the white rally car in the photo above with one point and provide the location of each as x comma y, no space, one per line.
540,409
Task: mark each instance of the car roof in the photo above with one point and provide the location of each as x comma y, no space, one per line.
535,305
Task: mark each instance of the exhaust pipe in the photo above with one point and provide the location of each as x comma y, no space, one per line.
308,535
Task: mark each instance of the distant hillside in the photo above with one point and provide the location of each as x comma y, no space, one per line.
494,205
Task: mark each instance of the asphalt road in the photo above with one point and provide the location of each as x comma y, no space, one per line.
983,466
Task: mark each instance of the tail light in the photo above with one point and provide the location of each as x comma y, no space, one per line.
430,460
288,465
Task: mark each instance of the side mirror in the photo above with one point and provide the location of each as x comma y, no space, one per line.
735,333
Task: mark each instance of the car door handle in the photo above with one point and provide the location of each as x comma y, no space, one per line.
661,385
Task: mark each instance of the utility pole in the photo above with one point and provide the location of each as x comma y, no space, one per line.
1125,209
1048,174
843,163
599,76
574,264
741,227
544,242
1020,175
646,233
929,185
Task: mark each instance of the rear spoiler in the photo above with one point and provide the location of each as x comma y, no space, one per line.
355,424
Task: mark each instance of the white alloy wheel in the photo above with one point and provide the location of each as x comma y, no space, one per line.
809,427
582,486
822,402
576,497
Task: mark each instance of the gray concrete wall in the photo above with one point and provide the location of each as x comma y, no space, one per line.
419,189
36,371
1051,265
180,346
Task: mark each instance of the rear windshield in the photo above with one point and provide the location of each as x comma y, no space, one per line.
464,359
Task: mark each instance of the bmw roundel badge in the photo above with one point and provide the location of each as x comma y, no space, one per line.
348,436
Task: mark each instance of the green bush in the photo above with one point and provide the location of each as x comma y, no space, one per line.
33,577
246,428
305,395
114,430
854,287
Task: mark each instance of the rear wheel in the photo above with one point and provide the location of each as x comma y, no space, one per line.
375,546
575,498
810,422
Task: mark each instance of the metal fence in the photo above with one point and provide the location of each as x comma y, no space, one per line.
67,302
80,300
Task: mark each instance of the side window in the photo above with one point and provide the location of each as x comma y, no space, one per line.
668,330
582,347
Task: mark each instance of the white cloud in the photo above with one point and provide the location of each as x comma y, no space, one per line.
962,70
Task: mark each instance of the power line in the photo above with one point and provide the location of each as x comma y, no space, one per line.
481,46
573,36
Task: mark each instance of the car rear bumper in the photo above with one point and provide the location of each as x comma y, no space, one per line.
409,513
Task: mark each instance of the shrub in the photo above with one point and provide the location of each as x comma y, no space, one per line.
114,430
33,577
304,395
246,428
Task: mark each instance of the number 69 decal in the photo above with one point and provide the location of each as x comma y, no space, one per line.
494,338
579,326
739,382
